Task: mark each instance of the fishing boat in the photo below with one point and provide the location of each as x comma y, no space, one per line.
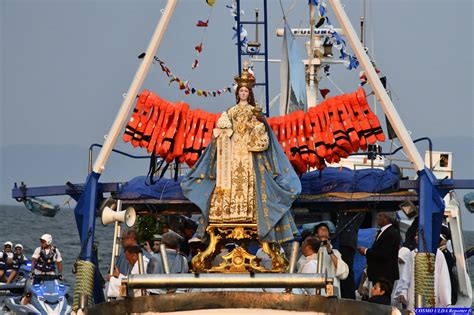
430,195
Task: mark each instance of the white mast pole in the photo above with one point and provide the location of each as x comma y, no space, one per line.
312,84
377,86
119,123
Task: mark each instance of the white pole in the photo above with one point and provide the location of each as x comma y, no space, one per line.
379,90
119,123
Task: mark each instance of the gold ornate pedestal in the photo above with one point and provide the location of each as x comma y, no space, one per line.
238,260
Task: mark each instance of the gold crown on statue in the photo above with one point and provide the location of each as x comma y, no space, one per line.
246,78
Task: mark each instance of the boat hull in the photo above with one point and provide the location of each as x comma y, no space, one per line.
229,300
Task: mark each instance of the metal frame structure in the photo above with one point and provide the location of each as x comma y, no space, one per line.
240,53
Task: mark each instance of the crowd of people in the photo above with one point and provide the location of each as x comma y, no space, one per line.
389,275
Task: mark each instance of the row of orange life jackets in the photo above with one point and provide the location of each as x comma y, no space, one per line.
329,131
172,131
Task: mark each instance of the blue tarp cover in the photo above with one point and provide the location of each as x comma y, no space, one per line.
331,179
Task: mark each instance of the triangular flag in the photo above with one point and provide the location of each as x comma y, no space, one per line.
198,48
193,90
195,64
199,92
202,23
324,92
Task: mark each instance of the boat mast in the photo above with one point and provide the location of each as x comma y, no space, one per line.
120,120
85,211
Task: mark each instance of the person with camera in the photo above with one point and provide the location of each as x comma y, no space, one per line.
332,261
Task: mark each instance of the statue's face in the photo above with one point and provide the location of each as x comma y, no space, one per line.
243,93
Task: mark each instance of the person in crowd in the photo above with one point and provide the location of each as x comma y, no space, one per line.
150,250
129,238
442,283
131,253
404,254
445,237
382,257
333,263
18,259
188,231
381,292
6,258
176,260
264,259
347,228
195,246
46,257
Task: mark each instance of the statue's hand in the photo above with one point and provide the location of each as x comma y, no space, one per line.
257,111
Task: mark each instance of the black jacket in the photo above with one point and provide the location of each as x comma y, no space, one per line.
380,299
382,257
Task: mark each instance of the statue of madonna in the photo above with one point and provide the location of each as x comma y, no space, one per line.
243,176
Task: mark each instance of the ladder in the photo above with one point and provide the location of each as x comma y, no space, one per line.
241,53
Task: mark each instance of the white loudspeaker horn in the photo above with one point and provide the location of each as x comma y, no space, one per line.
127,216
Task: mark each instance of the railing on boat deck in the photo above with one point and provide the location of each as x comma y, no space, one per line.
219,280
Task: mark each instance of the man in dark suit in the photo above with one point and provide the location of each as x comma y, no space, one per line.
382,257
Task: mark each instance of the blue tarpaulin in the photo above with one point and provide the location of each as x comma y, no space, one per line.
335,179
331,179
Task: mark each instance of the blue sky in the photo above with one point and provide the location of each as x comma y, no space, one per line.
65,65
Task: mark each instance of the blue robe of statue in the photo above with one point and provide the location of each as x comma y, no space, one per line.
275,179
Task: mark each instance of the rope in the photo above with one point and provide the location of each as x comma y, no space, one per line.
424,278
84,282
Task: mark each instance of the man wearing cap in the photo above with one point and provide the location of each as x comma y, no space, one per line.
18,259
382,257
177,261
46,257
6,258
152,249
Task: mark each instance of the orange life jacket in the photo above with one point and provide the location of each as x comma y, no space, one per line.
317,132
187,127
369,136
343,146
135,118
355,121
150,126
167,121
171,134
157,128
144,117
371,117
347,123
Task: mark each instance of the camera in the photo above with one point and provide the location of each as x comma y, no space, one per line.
324,242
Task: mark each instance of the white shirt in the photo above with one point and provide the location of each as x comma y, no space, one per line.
382,229
310,265
442,283
113,289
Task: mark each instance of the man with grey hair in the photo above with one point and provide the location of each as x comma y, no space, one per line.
129,238
382,257
177,261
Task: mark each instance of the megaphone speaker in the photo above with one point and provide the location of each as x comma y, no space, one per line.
127,216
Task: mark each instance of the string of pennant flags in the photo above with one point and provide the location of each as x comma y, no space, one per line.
186,87
335,39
